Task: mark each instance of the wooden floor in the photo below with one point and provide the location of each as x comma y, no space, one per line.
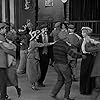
43,93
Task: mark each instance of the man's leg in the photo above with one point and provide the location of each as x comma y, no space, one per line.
60,81
66,71
3,85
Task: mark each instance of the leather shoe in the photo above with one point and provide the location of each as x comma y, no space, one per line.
52,95
7,97
41,85
19,92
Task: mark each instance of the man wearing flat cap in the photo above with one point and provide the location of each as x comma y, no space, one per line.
75,40
54,37
3,62
57,29
61,49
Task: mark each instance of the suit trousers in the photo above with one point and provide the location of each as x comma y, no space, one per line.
44,62
64,77
3,83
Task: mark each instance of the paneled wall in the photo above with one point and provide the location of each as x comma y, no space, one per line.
56,12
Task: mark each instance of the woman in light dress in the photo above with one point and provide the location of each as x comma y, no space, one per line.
86,81
33,66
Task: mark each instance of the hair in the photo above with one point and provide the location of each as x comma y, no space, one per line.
64,24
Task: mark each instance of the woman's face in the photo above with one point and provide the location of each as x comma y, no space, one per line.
63,26
84,33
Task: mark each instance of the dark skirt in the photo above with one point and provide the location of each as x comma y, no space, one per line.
86,81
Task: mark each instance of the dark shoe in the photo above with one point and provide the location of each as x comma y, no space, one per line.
19,92
34,88
21,72
74,79
41,85
52,95
7,97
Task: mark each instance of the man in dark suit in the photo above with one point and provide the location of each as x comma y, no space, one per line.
44,54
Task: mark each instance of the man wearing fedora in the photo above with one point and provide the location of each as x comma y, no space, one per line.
44,54
61,49
3,62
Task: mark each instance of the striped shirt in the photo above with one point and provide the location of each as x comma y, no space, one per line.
61,50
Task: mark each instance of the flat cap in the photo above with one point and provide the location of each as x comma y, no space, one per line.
57,24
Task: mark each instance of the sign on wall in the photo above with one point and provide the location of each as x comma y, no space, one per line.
27,4
48,3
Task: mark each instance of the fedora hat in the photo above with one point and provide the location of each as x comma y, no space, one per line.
71,26
29,24
43,26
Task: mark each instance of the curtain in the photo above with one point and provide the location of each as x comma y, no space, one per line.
84,10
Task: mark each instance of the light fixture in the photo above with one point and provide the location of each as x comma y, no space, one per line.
64,1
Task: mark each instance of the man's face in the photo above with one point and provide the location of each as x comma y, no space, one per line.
70,30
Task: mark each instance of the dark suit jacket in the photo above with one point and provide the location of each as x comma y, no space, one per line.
41,48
